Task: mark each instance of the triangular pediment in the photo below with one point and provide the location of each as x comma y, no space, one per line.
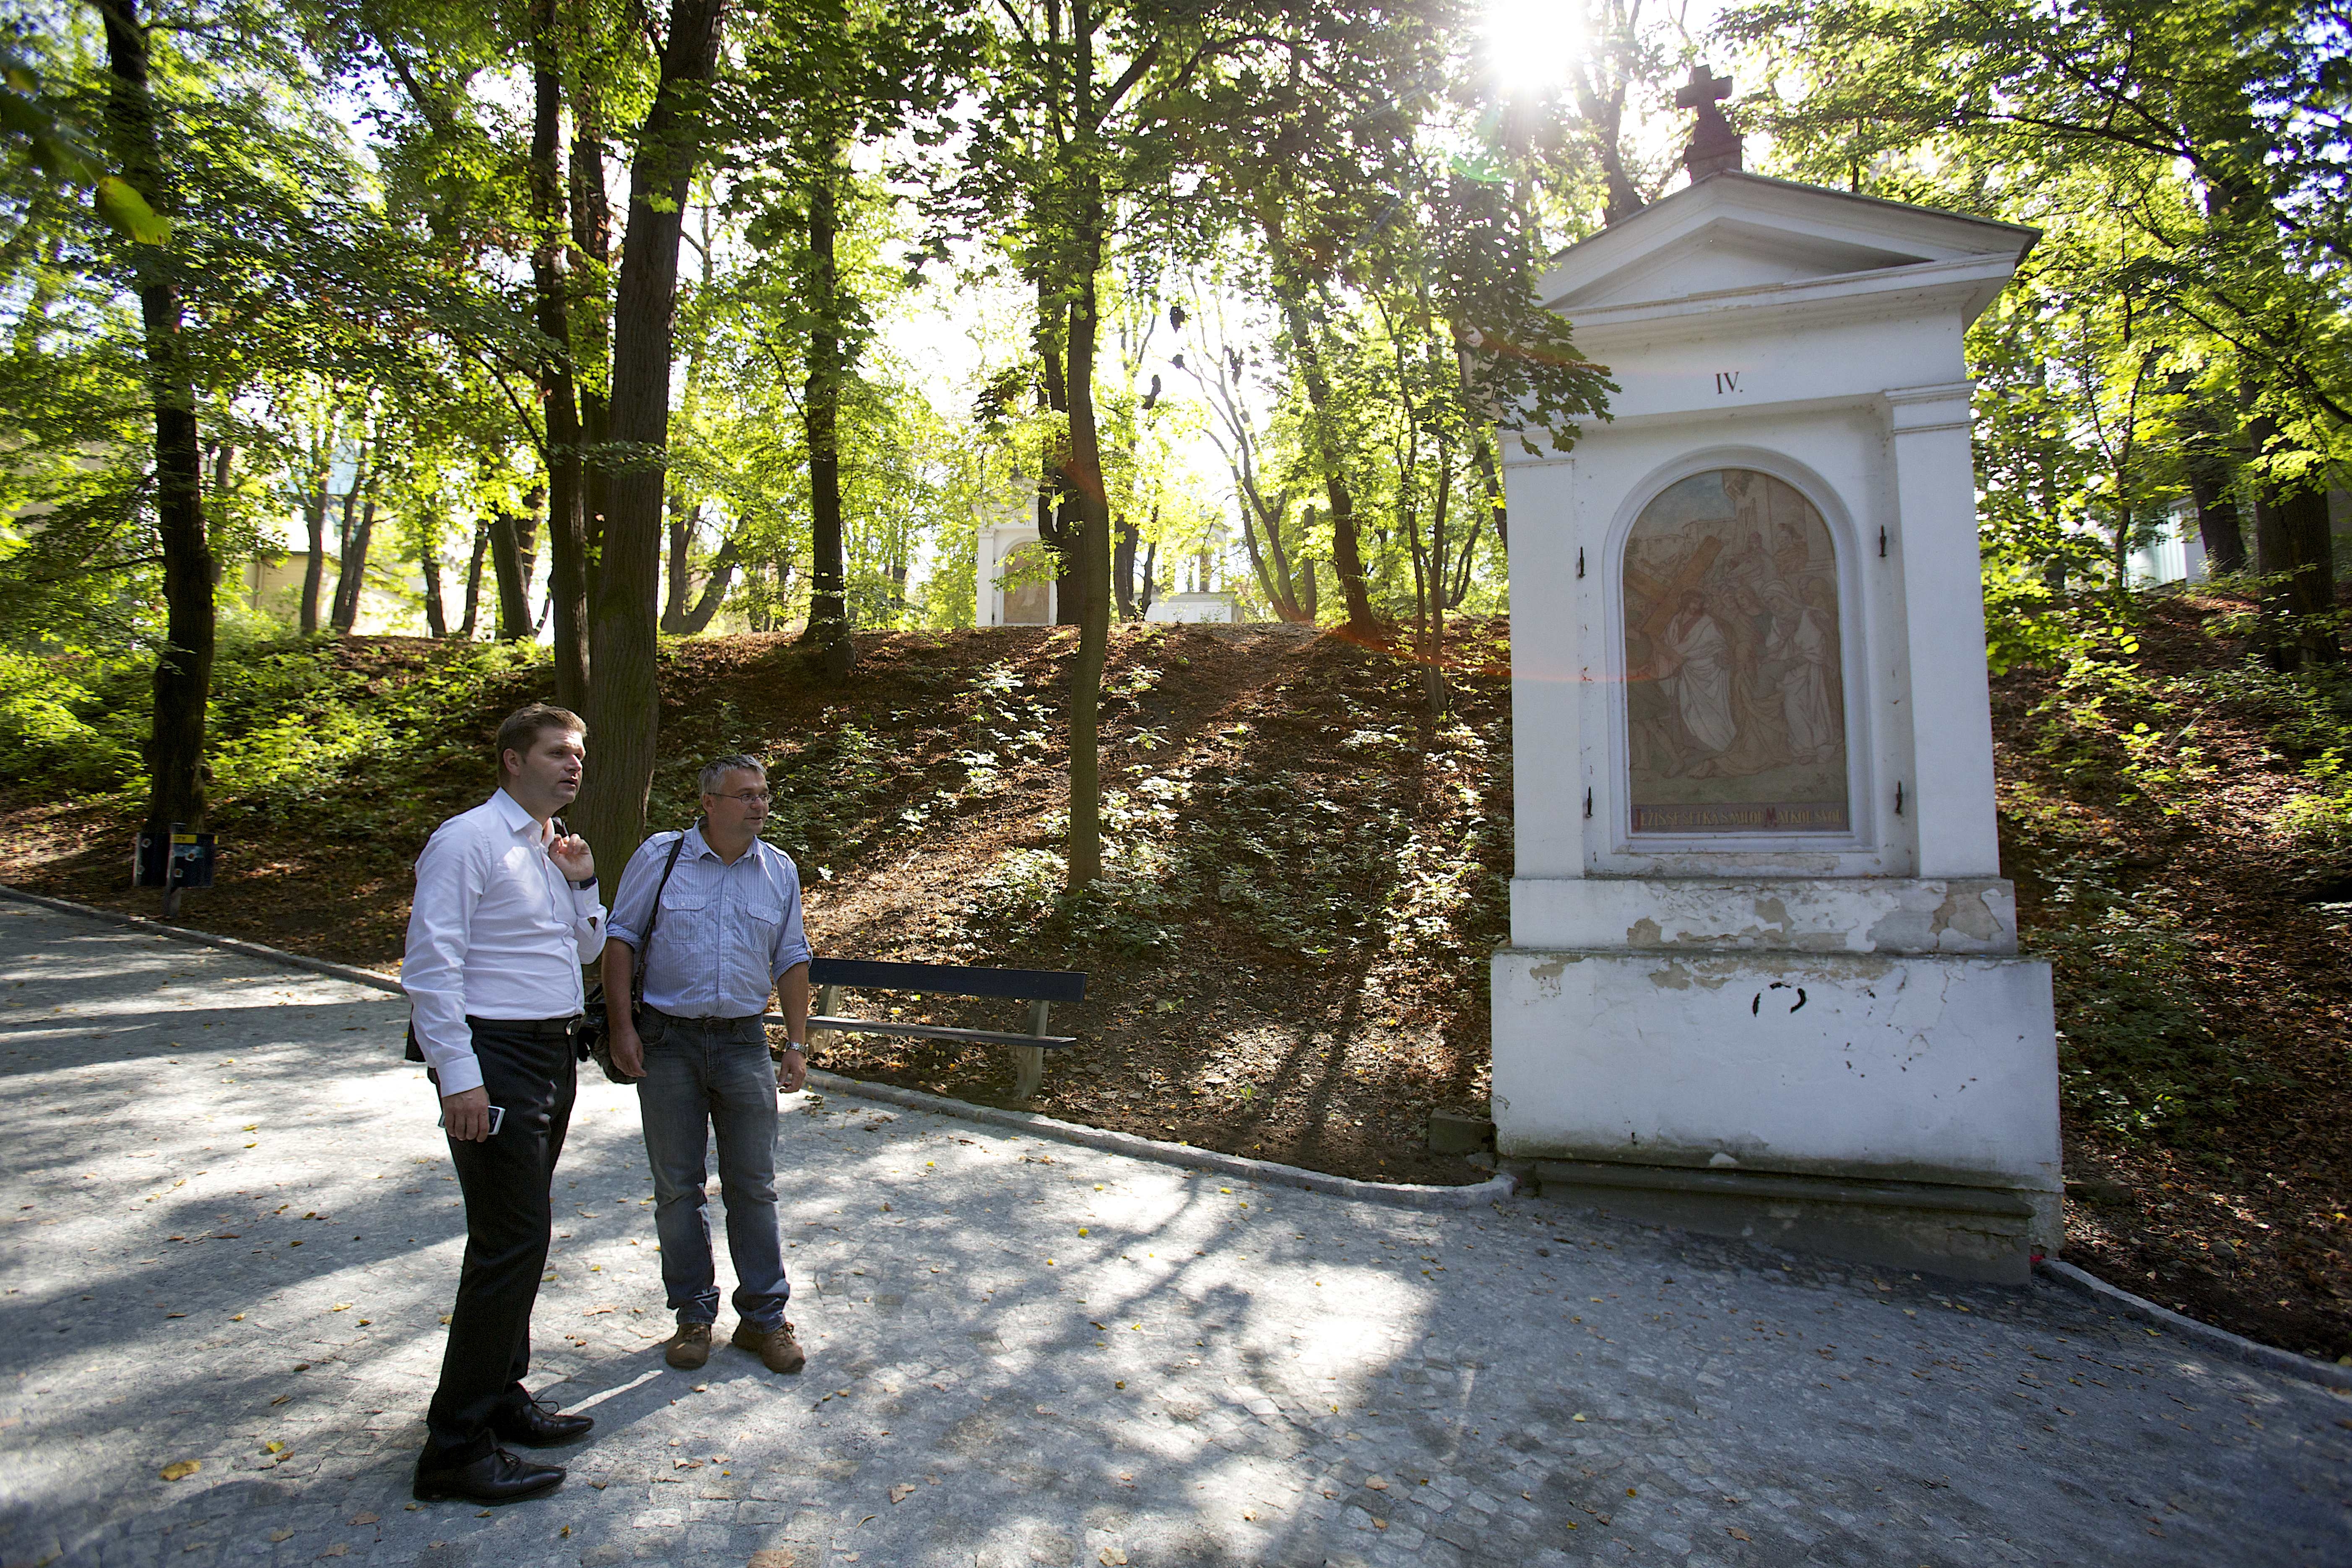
1737,232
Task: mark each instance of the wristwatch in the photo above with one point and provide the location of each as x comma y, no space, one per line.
797,1045
581,884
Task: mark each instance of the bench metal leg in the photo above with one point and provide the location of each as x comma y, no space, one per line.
828,1005
1029,1061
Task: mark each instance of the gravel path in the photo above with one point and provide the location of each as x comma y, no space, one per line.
232,1234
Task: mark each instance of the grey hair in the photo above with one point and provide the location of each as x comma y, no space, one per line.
715,771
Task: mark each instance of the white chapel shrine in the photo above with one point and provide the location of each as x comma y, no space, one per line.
1763,977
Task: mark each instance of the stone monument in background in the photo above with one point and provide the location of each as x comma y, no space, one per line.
1763,975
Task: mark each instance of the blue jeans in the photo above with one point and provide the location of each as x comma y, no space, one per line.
700,1078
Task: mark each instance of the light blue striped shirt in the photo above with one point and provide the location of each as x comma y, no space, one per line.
727,933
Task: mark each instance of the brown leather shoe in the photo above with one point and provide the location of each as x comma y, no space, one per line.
777,1350
689,1347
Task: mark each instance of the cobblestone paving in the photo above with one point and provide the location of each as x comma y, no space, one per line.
232,1234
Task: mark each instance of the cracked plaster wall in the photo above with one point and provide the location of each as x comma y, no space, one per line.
1900,1066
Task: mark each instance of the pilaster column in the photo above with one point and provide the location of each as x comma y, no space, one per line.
1948,798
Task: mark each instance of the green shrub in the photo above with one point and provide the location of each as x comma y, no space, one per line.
2136,1057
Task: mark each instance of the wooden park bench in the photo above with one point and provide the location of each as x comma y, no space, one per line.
1041,989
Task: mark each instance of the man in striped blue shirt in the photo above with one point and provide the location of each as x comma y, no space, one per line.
724,910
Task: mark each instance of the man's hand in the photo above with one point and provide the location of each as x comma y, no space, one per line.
628,1050
573,856
792,1071
467,1114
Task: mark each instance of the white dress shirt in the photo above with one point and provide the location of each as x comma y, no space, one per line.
497,932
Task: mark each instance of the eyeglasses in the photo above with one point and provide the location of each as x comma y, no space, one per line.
750,797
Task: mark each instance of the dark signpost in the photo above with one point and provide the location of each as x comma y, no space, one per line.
173,861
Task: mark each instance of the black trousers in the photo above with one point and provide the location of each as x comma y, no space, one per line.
527,1067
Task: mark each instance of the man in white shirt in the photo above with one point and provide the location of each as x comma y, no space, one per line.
727,931
506,914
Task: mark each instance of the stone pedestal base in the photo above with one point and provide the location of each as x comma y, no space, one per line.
1968,1233
1913,1096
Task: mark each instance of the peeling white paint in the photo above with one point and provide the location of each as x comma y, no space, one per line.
1846,914
1909,1068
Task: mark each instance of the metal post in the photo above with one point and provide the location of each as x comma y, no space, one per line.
1029,1061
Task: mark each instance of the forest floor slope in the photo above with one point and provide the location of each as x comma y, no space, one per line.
1305,874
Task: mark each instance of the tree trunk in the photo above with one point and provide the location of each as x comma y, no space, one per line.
567,527
314,520
526,536
2295,557
2212,487
1058,525
767,611
1122,570
1433,651
507,568
352,583
1271,564
591,236
2312,596
428,567
1346,556
1491,475
1091,560
224,461
2218,526
474,583
624,706
183,666
828,618
351,543
714,592
675,585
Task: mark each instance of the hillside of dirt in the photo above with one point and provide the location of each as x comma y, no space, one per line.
1305,874
1314,991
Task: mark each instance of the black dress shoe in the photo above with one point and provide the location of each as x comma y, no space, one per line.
535,1425
496,1477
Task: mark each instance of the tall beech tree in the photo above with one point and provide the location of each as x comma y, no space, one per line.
551,288
625,619
1310,156
1098,130
818,79
2212,133
183,665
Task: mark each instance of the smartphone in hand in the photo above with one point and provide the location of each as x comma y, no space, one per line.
498,1116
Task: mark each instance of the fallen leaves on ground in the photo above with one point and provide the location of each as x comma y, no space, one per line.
181,1470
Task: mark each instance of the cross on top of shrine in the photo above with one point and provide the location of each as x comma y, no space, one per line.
1703,88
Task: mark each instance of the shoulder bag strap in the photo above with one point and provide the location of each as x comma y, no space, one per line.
653,916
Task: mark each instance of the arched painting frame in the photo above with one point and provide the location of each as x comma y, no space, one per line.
1735,695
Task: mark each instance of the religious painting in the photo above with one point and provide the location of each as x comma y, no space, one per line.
1735,697
1028,582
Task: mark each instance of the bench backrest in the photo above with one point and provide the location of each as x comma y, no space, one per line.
951,979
